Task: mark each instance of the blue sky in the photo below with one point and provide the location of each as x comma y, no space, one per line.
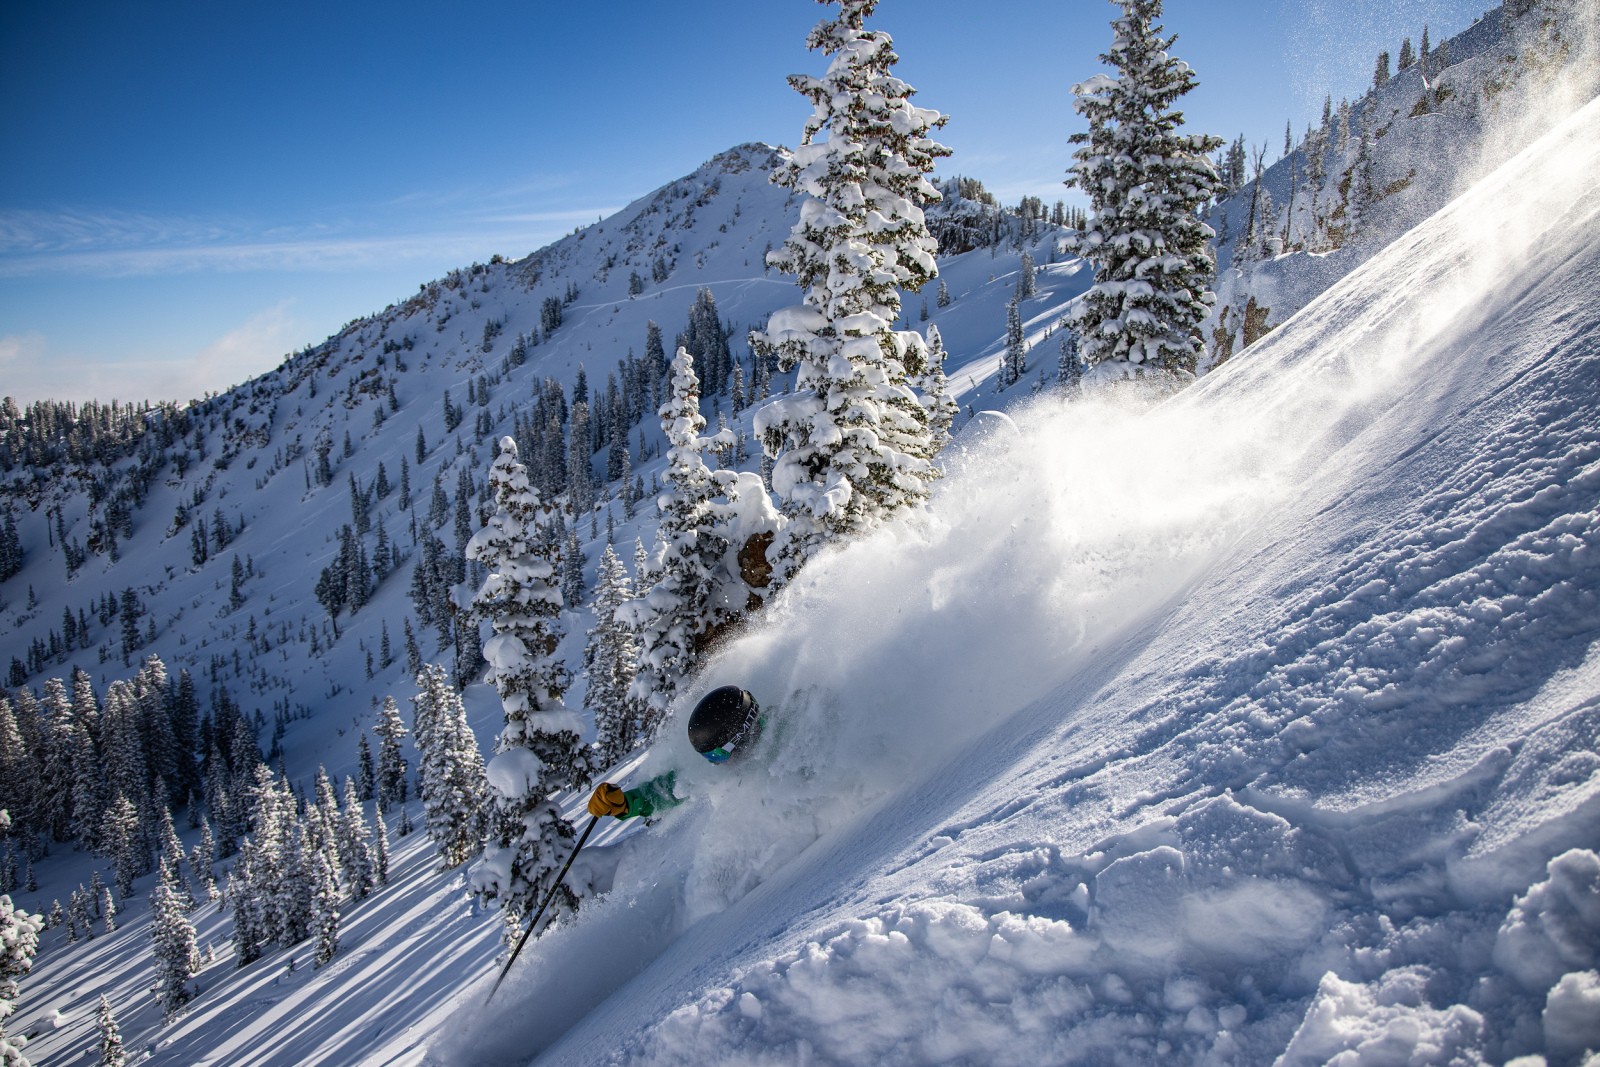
192,190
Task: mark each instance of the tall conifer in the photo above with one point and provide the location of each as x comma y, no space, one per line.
1146,181
850,442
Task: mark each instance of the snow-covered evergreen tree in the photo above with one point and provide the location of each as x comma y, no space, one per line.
451,775
249,912
391,762
19,941
80,910
1069,368
366,771
685,600
18,776
1027,277
381,849
202,858
324,907
611,662
262,885
928,379
55,768
1145,181
177,957
1015,361
111,1051
538,752
355,846
850,442
120,840
172,856
324,823
292,903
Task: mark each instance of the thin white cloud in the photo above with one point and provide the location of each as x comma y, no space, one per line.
32,370
110,244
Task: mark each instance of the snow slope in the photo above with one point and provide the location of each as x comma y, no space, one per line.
1259,726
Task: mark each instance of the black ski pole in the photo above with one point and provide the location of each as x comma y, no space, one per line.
548,897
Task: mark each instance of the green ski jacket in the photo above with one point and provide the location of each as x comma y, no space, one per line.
653,796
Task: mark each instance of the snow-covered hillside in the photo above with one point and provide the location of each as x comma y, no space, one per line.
1380,164
1259,725
219,519
376,395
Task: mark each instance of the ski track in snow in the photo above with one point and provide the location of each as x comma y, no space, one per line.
1262,707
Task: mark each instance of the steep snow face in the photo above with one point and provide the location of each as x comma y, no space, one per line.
1259,724
1430,134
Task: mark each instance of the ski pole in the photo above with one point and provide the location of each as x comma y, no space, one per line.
548,897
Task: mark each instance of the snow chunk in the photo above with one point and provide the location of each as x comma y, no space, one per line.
1572,1016
1555,927
514,772
1352,1025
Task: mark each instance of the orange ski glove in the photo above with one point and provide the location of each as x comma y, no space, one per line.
608,800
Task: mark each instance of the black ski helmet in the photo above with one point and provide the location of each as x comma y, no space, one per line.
726,721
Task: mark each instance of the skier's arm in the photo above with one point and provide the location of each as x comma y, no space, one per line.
643,800
654,796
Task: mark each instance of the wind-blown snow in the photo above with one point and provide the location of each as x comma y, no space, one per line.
1261,723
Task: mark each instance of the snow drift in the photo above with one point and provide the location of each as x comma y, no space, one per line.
1259,725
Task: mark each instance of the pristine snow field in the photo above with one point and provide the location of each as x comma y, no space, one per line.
1259,723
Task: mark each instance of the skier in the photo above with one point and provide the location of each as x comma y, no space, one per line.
724,726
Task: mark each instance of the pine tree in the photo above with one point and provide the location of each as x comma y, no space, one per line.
451,776
1027,277
111,1052
18,775
687,598
249,911
1233,173
10,548
929,380
80,911
850,443
355,848
1146,182
611,661
293,904
572,584
366,772
538,752
55,767
1015,361
19,941
172,857
119,839
1069,371
381,851
1380,76
123,745
323,822
324,908
203,858
391,783
177,957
